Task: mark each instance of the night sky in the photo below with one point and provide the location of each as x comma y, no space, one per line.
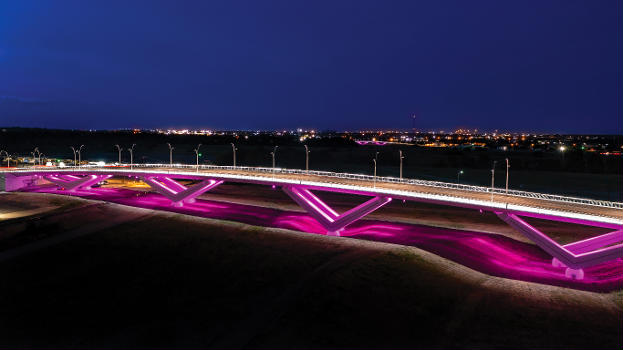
547,66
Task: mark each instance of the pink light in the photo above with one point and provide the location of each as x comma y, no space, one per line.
377,143
489,253
311,204
319,201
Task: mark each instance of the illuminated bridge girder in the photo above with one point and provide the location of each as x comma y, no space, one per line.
176,192
325,215
73,182
574,256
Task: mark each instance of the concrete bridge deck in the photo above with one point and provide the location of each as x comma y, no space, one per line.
578,210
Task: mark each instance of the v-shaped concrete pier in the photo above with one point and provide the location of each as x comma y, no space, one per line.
325,215
177,192
73,182
574,256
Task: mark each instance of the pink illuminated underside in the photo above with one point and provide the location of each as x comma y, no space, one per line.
489,253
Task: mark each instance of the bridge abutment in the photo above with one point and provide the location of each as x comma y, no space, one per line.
10,182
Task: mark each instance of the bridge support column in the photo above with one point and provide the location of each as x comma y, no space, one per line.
176,192
332,221
557,263
72,182
573,256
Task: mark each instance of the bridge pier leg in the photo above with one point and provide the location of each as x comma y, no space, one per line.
557,263
73,183
326,216
573,256
575,274
335,233
178,193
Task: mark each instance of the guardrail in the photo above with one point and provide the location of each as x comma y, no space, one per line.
437,184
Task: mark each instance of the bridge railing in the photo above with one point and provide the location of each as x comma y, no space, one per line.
381,179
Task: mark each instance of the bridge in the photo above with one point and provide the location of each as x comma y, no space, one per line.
510,206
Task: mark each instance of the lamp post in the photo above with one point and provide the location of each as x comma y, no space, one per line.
401,158
507,167
7,157
374,160
73,149
273,153
170,154
41,155
132,156
493,178
458,176
306,158
119,150
197,155
34,153
79,155
233,148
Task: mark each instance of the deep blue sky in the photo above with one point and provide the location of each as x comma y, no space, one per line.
522,65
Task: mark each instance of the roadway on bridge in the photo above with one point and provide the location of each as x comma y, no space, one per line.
450,192
416,190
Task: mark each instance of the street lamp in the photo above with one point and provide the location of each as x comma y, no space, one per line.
306,158
493,178
79,155
401,158
197,154
562,150
458,176
41,155
374,160
507,167
119,150
170,154
273,154
233,147
73,149
132,156
34,153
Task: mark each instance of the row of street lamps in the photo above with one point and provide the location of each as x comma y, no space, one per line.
234,149
77,151
78,154
458,176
